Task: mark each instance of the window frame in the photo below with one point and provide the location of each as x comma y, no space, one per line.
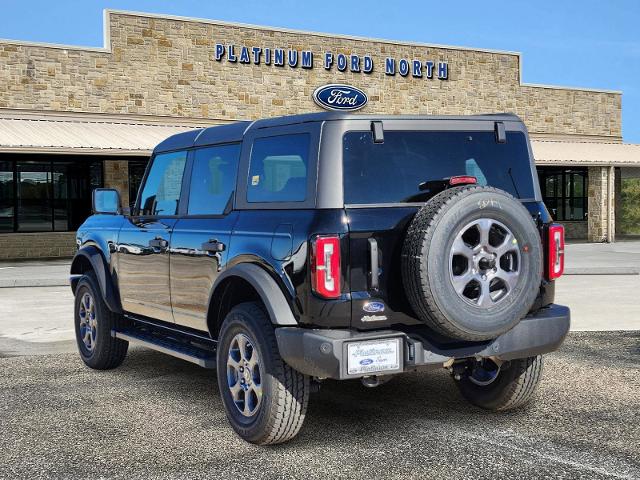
313,130
330,190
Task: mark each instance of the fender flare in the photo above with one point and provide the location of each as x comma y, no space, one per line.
270,293
99,266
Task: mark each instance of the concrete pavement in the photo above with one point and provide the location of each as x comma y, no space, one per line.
35,273
620,258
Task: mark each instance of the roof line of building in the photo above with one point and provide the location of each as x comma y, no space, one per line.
106,48
114,118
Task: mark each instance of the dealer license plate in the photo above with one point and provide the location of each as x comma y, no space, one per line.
372,357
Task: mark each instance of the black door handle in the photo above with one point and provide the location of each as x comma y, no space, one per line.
158,242
213,245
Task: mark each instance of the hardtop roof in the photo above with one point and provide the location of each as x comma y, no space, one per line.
234,132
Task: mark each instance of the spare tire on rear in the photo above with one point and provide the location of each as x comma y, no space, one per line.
472,262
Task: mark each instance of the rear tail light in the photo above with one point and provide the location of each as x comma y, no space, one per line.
325,266
555,254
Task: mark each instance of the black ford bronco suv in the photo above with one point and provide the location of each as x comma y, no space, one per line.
287,251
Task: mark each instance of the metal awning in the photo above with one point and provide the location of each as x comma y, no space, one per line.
70,136
548,152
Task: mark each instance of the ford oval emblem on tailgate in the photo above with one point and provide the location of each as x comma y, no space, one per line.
340,97
373,307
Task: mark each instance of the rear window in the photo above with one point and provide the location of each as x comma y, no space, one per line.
392,171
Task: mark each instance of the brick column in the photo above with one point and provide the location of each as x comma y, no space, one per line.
601,209
116,175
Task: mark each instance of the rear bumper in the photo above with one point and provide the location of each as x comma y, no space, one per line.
323,353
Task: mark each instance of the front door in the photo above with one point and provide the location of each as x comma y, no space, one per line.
142,256
201,239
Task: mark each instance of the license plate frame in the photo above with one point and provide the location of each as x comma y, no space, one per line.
385,355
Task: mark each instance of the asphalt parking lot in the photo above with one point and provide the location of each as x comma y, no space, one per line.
159,417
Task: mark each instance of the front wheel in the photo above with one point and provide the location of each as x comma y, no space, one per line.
505,387
93,324
264,398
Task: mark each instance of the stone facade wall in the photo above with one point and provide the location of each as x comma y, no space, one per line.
163,66
116,175
37,245
575,230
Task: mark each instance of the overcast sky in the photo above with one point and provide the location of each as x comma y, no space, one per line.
583,43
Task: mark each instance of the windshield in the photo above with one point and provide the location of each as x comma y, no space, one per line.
393,171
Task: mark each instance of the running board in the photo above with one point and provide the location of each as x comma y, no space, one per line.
176,347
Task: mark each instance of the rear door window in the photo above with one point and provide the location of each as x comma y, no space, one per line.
278,169
213,179
161,193
392,171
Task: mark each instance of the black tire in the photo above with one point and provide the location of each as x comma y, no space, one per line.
105,351
514,386
285,392
427,270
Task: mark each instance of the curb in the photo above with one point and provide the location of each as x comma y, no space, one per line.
602,271
45,282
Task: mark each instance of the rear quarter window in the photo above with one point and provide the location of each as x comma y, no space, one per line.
392,171
278,169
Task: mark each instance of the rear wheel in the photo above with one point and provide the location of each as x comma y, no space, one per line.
505,387
264,398
93,324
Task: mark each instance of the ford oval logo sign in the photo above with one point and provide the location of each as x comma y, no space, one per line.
366,361
340,97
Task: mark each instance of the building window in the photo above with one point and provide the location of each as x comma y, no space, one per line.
564,191
7,204
46,193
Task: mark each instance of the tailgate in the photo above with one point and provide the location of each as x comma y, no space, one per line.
377,233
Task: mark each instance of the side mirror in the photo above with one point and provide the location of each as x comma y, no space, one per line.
106,200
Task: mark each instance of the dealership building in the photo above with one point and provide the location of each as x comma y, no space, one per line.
74,118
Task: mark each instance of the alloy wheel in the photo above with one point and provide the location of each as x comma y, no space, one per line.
484,262
88,321
244,375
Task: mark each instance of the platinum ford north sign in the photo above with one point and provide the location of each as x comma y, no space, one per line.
292,58
340,97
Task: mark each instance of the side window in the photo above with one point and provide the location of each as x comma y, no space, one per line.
161,192
278,170
213,179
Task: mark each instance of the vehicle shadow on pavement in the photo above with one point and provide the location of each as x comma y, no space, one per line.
342,411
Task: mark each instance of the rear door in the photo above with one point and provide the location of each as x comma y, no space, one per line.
382,193
142,255
201,239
